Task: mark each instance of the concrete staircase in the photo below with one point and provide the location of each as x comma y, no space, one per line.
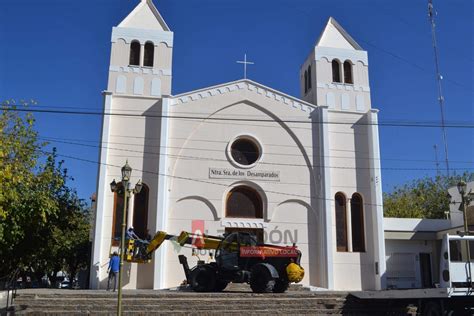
236,300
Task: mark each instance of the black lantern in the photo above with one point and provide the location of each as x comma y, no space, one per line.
113,186
138,186
126,172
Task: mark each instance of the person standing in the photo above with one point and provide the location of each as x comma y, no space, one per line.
113,270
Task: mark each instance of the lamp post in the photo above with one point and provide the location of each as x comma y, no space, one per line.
465,201
126,174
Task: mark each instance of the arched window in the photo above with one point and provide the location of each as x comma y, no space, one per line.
309,77
306,82
348,72
341,222
336,71
244,201
135,54
149,54
140,212
118,215
357,219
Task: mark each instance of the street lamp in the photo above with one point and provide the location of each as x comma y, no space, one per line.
465,201
126,174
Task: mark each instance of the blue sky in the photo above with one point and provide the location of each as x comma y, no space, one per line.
57,52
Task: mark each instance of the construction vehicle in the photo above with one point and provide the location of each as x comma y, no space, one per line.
239,258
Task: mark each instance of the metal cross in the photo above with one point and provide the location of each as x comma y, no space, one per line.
245,62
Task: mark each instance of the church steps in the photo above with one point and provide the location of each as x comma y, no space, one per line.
143,302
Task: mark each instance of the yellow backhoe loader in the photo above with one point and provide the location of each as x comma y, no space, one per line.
239,258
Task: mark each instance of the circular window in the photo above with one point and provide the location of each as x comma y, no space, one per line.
245,151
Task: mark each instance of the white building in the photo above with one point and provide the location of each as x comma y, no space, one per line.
243,156
413,245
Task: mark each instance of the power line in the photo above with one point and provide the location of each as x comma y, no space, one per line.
81,142
406,123
196,180
182,157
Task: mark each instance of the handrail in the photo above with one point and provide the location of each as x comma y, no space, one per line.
11,286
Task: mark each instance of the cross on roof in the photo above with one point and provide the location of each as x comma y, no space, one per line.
245,62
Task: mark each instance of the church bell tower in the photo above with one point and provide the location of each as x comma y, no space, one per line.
138,93
335,74
141,55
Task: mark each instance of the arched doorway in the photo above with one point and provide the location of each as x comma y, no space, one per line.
245,202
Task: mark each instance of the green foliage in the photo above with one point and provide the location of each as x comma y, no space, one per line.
44,226
422,198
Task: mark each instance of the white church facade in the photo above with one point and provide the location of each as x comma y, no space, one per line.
242,156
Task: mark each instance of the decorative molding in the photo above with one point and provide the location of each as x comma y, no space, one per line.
243,223
330,100
156,87
360,103
138,86
330,53
140,70
342,86
242,85
345,102
141,35
121,84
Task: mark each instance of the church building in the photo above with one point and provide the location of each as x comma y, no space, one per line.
242,156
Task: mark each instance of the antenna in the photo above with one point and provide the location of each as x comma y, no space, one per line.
436,159
432,13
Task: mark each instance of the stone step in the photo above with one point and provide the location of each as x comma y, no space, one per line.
164,294
164,302
262,311
141,300
188,307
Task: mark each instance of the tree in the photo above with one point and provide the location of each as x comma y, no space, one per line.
44,226
422,198
26,200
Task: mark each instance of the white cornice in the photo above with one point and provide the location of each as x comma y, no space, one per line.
243,84
342,54
140,70
142,35
243,223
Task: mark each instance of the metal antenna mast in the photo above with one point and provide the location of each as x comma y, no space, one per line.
436,159
432,13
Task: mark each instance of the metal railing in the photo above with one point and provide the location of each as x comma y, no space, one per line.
10,285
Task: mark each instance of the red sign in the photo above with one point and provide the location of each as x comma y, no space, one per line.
268,251
197,228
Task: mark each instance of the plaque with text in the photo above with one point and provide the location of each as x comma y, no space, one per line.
261,175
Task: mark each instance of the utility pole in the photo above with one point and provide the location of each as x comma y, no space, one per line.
432,13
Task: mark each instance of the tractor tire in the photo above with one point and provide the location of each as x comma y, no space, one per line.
261,280
203,278
281,285
432,308
220,285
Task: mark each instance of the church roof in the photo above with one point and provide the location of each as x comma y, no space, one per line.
145,16
335,36
248,85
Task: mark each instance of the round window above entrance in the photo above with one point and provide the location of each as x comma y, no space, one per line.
245,151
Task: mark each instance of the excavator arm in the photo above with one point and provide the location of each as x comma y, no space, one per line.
141,251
